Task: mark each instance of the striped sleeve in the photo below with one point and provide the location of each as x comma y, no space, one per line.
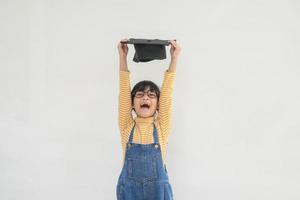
165,103
125,116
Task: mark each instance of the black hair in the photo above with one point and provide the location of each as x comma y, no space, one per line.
144,85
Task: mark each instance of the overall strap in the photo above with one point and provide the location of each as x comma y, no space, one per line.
131,134
155,134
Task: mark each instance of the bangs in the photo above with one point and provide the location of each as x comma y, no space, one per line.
143,86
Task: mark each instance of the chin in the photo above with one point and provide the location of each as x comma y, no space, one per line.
144,115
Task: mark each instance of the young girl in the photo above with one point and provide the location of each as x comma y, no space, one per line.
144,138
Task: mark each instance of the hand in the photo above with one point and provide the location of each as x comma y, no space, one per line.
174,50
123,49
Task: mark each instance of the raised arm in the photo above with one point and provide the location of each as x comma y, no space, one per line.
165,102
125,115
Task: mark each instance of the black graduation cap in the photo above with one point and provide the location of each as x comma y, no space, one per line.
148,49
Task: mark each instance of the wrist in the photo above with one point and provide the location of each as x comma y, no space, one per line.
174,58
123,63
172,67
123,57
173,61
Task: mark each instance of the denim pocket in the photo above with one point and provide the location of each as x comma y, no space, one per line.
142,168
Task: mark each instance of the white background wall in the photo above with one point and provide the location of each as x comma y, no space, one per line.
235,132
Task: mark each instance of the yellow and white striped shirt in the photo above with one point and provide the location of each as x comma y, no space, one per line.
143,133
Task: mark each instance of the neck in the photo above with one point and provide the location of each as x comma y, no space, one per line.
139,119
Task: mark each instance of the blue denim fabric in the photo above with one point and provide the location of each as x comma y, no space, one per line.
144,176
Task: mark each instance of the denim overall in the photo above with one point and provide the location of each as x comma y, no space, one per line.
144,176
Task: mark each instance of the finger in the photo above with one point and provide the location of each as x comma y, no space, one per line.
124,40
173,43
119,45
177,46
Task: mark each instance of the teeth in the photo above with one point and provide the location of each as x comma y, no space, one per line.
145,105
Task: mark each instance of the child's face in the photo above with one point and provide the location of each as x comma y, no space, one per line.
145,103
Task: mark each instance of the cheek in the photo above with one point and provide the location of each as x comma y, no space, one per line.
154,103
136,102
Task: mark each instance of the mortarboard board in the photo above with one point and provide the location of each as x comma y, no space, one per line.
148,49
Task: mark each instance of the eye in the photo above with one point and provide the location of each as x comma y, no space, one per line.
152,95
139,94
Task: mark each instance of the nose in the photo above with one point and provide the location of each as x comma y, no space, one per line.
145,96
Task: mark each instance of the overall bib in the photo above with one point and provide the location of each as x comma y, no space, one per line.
143,175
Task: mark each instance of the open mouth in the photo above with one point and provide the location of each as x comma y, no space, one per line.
145,105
